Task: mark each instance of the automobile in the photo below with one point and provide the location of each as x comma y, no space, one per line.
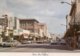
62,42
13,43
54,43
39,42
46,41
29,41
26,42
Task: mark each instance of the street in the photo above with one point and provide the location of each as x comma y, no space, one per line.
38,48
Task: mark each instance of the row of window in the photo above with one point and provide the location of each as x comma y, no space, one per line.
23,24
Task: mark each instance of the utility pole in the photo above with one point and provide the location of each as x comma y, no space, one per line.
66,22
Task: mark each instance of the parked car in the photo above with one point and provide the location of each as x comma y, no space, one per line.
62,42
13,43
38,42
54,42
26,42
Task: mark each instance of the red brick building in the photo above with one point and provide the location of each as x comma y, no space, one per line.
29,24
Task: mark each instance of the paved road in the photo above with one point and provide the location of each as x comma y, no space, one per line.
38,48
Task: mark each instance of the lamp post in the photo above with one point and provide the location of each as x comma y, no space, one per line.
66,3
66,22
66,15
72,2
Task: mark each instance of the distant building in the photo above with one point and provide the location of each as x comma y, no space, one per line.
7,23
29,24
4,21
43,30
24,26
53,37
35,27
1,29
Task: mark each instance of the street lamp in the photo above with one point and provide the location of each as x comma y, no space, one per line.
66,15
66,22
72,2
66,3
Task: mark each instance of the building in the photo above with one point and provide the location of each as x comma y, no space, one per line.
21,34
53,37
7,21
72,35
42,29
29,24
37,29
1,29
19,29
43,32
7,26
4,21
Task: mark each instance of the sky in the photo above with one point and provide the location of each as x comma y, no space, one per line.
50,12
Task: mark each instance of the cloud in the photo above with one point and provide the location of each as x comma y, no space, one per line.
28,2
54,24
20,16
4,8
51,12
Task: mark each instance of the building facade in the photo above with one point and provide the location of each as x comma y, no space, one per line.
17,27
4,21
7,23
43,29
29,24
37,29
72,34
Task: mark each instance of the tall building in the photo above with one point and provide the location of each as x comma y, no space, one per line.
29,24
7,23
72,35
75,13
34,26
4,21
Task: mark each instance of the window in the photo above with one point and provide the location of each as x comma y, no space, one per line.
29,24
